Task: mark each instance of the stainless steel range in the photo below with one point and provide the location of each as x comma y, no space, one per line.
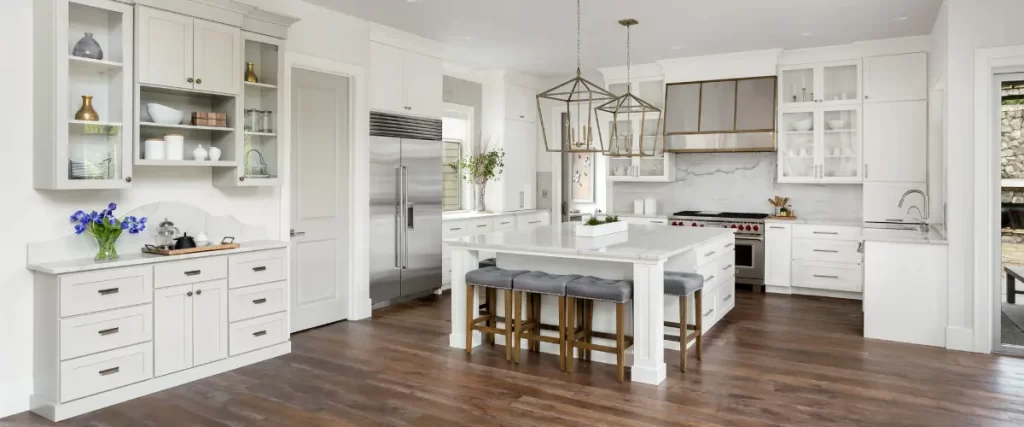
749,239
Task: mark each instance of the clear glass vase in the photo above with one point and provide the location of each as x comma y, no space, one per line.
481,202
107,248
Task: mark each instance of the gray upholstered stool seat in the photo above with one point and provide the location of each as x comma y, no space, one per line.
489,262
680,284
594,288
492,277
539,282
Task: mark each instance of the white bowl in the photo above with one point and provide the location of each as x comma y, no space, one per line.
837,124
164,115
801,125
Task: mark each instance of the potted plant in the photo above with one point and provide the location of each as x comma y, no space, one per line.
595,227
106,228
478,169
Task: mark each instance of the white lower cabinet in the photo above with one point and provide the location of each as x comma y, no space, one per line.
252,334
470,226
778,250
191,325
814,258
105,371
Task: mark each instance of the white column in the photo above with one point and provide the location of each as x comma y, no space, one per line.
463,261
648,323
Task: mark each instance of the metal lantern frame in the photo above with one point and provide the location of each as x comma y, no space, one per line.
628,105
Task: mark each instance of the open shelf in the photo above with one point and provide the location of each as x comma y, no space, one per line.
261,133
191,127
95,65
94,123
184,92
261,85
188,163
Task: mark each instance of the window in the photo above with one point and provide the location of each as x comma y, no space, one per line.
455,132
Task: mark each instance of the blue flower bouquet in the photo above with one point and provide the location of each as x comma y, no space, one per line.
106,228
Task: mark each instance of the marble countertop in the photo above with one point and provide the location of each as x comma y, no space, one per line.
640,243
819,221
139,258
474,215
644,215
933,237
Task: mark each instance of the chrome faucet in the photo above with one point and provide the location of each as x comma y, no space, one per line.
924,216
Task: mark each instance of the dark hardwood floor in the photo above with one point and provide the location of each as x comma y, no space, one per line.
774,360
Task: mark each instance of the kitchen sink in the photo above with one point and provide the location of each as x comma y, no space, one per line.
918,227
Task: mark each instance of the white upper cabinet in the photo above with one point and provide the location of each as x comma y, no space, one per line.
820,144
896,78
519,178
829,84
404,82
182,52
520,103
895,141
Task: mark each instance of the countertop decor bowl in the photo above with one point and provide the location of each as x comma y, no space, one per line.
802,125
164,115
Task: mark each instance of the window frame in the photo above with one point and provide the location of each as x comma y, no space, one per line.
467,114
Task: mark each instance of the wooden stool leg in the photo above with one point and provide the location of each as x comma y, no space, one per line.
508,325
699,314
536,318
580,305
590,327
529,318
517,312
561,332
470,303
492,307
620,339
570,331
682,333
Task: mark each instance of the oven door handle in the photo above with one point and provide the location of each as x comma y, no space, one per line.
751,238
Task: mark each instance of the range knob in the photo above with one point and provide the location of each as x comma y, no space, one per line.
734,226
748,227
702,225
675,223
756,228
693,225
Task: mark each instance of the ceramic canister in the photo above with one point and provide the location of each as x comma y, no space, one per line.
175,147
156,149
650,206
199,153
214,154
638,207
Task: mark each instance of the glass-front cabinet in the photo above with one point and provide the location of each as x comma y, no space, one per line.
89,108
833,83
820,145
623,139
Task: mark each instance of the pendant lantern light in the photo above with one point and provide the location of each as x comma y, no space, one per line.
628,106
581,98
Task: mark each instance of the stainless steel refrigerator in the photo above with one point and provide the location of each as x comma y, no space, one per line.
405,206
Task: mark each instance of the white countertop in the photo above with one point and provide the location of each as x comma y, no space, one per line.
819,221
475,215
932,237
644,215
639,243
139,258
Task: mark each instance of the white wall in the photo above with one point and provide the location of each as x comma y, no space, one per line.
973,24
42,215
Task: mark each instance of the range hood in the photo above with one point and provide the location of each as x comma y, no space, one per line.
720,116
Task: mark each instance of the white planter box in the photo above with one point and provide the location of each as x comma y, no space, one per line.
583,230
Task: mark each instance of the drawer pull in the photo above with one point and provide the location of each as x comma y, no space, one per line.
727,298
110,331
826,250
711,278
822,276
481,226
777,227
711,310
259,301
534,222
109,291
259,333
652,222
506,223
709,253
455,229
110,371
260,268
826,232
729,245
193,272
727,267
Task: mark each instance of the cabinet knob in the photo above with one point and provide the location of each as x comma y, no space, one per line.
191,80
241,178
127,179
199,81
189,293
865,97
199,291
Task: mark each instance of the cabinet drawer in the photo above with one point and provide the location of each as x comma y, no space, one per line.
726,297
708,309
479,226
256,301
455,228
257,267
105,290
252,334
93,333
535,219
826,250
505,223
826,232
727,266
190,271
714,249
105,371
828,276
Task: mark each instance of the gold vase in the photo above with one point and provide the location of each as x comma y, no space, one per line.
250,73
87,113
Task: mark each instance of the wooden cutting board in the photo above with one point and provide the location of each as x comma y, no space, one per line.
165,251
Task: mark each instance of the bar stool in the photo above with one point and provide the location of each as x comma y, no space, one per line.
489,300
685,286
493,279
586,290
533,285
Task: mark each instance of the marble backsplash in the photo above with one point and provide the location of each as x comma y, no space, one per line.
738,182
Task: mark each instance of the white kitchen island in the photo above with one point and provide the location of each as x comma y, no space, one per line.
641,254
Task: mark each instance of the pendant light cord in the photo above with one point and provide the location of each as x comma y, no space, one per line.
578,38
628,58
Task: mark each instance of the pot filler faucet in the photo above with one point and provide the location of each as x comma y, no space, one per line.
924,215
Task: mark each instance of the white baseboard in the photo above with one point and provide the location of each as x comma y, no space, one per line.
785,290
362,311
828,294
62,411
960,338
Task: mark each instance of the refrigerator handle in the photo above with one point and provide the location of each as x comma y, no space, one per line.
399,191
408,220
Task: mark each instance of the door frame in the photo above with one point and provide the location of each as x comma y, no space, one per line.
358,280
988,63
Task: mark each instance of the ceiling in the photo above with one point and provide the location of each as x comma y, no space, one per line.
539,36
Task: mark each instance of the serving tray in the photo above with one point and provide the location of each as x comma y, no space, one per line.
150,249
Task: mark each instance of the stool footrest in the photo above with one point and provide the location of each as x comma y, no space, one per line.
598,347
490,330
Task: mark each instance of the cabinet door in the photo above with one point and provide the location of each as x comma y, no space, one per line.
210,322
840,83
423,84
796,85
520,103
895,141
218,57
840,145
896,78
520,165
386,81
777,254
164,48
798,146
172,329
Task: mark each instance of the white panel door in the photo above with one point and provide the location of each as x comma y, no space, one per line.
778,248
209,322
172,329
164,48
320,138
516,164
423,84
218,57
387,84
896,141
896,78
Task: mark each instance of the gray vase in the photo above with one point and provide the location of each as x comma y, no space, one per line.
87,47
